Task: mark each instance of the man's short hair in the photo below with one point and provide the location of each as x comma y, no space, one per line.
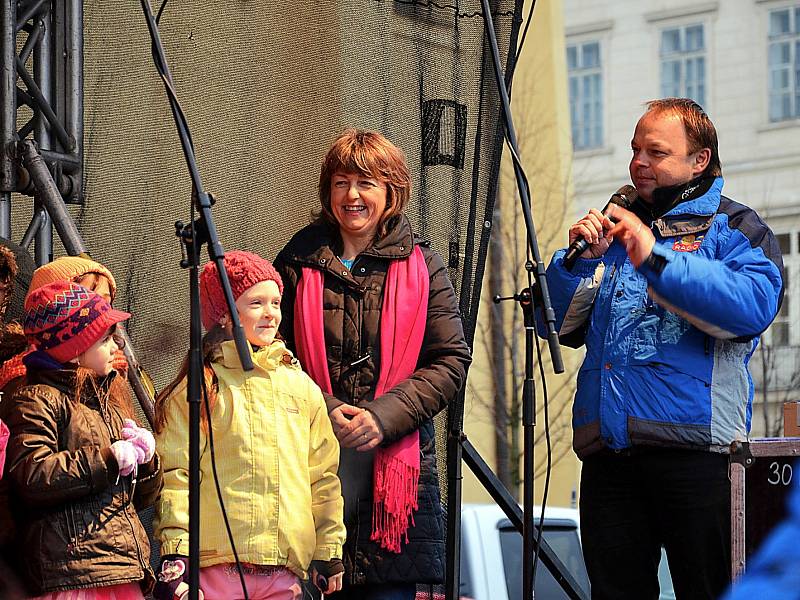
700,131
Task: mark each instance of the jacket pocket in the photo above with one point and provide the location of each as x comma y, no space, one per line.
294,424
60,539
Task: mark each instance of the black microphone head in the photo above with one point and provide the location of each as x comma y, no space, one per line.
628,197
624,196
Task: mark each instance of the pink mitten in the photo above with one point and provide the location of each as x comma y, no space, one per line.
141,438
125,454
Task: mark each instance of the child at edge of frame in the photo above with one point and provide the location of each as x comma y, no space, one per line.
79,465
275,452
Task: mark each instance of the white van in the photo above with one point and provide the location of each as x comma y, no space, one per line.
491,555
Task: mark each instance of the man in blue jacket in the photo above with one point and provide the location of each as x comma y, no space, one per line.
669,299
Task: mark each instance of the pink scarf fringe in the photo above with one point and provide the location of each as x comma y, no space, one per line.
403,319
4,435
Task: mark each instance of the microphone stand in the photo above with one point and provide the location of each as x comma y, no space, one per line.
198,232
522,187
526,301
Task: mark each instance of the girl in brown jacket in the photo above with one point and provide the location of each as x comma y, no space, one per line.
79,466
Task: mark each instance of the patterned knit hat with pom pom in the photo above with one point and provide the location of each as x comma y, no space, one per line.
244,269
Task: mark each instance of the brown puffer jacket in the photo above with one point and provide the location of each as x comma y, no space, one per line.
76,518
352,303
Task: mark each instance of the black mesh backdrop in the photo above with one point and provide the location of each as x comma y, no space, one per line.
266,86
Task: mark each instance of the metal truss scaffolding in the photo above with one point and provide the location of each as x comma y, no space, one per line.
41,97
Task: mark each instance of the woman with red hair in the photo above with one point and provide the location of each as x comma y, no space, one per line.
374,320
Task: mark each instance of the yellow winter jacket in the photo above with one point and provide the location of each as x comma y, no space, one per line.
276,459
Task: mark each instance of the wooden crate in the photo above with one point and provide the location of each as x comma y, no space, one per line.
761,470
791,419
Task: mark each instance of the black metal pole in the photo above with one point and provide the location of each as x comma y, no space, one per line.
37,220
43,93
528,423
454,477
8,106
48,195
194,397
74,79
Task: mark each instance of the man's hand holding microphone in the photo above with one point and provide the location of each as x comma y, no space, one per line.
592,235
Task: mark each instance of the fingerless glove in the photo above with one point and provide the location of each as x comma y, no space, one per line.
172,582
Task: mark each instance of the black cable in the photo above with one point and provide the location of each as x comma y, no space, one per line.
219,490
161,10
163,73
524,31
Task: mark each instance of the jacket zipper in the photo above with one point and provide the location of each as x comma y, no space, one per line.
73,534
126,500
133,532
360,349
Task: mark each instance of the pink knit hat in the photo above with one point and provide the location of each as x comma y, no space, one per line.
244,269
65,319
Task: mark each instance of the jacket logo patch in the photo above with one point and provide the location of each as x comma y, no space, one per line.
688,243
293,410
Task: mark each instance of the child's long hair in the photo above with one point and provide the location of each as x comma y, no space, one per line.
117,394
211,344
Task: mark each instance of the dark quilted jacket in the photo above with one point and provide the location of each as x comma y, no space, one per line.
352,308
77,524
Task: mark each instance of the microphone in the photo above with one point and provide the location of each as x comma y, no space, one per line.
624,197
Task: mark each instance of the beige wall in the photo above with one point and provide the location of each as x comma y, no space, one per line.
541,120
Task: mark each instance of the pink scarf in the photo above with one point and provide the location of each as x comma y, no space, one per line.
403,317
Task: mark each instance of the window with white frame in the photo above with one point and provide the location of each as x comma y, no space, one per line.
683,62
781,332
784,63
776,364
584,68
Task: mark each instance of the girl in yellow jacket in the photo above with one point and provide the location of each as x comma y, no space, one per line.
276,455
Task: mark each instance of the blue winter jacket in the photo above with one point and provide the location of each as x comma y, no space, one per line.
667,345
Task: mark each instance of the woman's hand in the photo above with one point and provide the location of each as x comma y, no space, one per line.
356,428
340,418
